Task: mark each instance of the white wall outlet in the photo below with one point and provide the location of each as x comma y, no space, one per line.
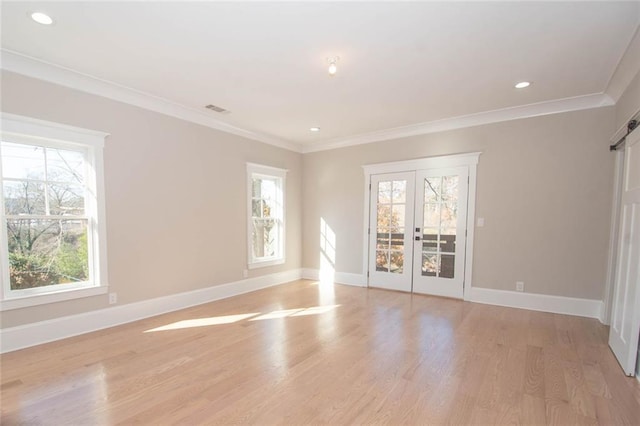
480,222
519,285
245,273
113,298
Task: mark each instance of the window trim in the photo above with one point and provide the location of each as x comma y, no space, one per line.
260,170
26,130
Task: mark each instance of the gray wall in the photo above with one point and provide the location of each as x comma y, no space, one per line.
544,188
175,196
173,188
629,102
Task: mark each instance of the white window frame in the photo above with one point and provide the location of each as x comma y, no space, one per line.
29,131
260,171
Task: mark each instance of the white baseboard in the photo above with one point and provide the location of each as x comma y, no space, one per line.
358,280
20,337
538,302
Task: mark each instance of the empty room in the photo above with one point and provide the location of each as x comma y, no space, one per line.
316,212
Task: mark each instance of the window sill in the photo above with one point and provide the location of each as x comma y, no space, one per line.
43,299
262,264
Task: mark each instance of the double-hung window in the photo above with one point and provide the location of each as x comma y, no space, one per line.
53,235
266,189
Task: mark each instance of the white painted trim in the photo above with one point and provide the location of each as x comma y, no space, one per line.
45,298
537,302
21,129
471,226
36,68
556,106
347,278
627,68
469,159
260,170
438,162
32,67
20,337
21,125
365,221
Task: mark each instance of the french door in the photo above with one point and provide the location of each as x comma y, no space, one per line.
417,231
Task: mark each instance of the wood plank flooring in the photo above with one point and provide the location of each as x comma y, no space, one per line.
304,353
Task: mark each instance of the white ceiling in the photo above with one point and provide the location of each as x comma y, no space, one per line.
400,63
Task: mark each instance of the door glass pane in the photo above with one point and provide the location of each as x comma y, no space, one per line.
384,192
390,226
432,189
397,216
449,215
397,262
382,260
397,239
430,243
383,240
440,226
384,216
447,265
399,194
429,264
431,215
450,188
447,243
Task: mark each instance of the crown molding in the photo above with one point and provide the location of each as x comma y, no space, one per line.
42,70
626,70
556,106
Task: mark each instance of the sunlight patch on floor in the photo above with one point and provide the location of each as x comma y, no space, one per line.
204,322
230,319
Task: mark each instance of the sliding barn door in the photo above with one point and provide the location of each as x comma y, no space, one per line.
625,317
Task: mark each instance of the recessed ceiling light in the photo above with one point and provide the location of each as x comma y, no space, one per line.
522,85
315,129
42,18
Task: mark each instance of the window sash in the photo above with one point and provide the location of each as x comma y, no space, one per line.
277,214
26,131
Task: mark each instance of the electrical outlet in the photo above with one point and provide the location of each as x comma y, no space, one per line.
245,273
113,298
480,222
519,285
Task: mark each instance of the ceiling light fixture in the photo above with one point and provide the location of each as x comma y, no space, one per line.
333,67
42,18
315,129
522,85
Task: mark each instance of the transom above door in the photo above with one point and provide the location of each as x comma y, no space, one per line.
418,225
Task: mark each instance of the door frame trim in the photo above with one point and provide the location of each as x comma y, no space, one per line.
469,159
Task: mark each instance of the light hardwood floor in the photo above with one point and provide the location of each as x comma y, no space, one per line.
302,353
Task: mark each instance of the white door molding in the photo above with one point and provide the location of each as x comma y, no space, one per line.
469,160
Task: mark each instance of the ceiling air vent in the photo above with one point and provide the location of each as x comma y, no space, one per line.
217,109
